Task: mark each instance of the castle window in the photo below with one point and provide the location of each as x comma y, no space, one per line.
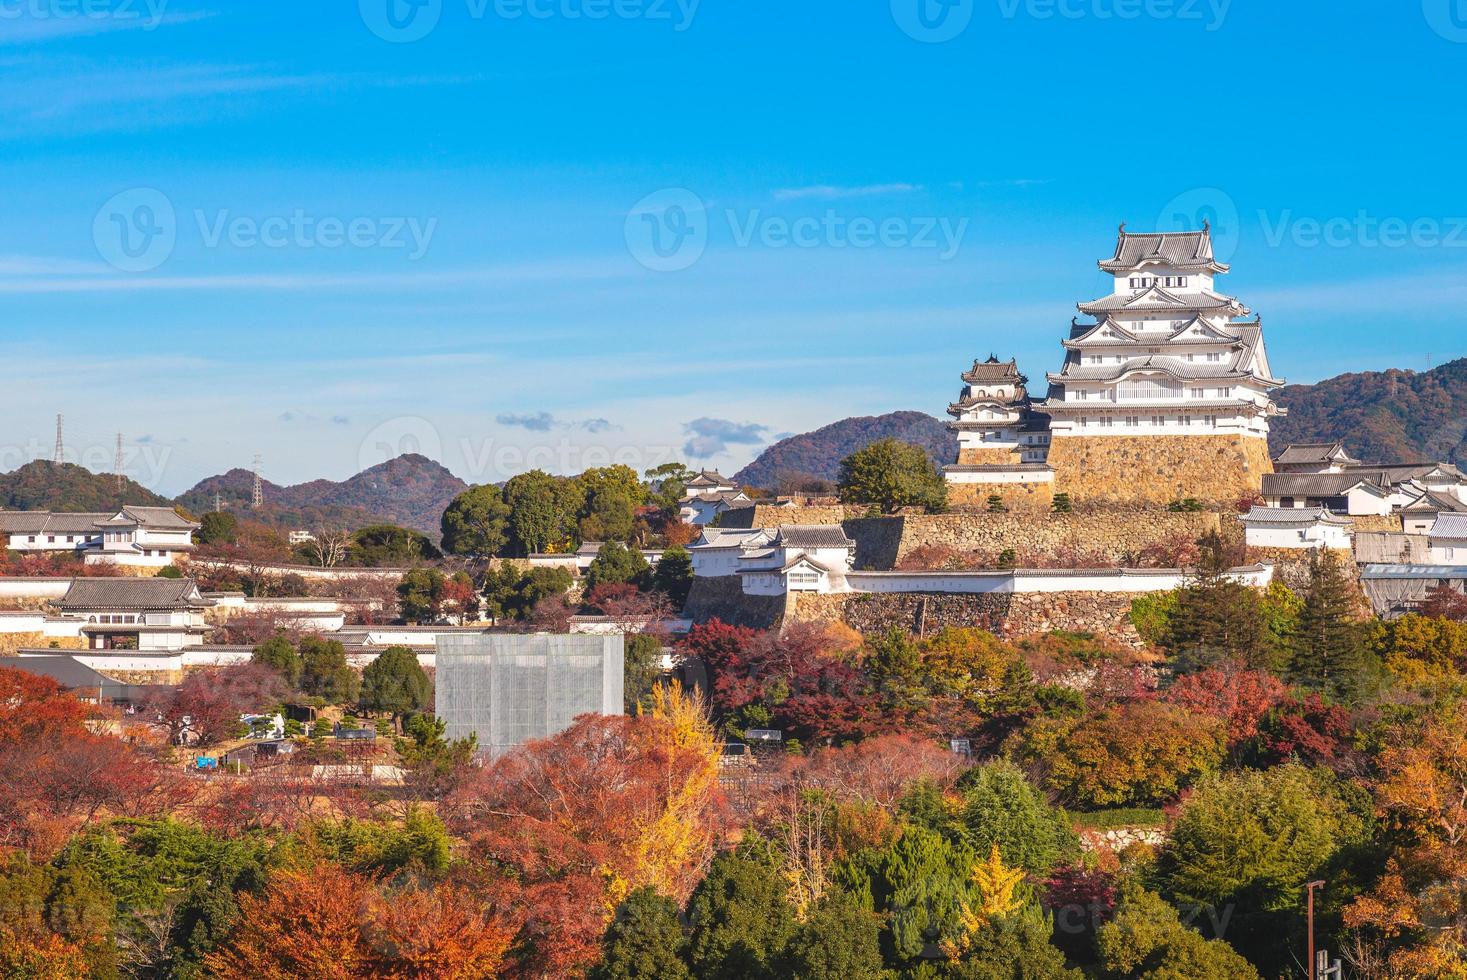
1132,421
1158,420
1214,357
1198,392
1084,422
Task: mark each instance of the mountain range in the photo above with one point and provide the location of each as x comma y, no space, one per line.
411,490
1380,416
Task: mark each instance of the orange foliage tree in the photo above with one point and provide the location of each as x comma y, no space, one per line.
55,772
1422,796
326,923
579,820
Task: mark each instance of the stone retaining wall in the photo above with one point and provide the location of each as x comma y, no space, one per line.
1159,469
1010,615
1030,498
722,597
1378,522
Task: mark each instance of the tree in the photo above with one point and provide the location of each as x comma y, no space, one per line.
614,564
674,575
1012,946
741,921
642,667
539,519
395,683
217,527
1146,939
327,547
387,545
208,704
644,941
1002,809
329,924
611,516
1328,650
277,654
1217,619
325,672
476,523
1136,753
420,594
839,940
1250,841
892,475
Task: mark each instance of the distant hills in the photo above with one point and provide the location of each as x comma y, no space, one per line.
411,490
43,485
1380,416
818,454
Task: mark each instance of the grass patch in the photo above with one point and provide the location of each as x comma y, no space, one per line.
1113,819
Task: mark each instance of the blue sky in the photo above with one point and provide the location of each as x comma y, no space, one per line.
306,231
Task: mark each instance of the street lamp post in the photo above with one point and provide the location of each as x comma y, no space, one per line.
1309,963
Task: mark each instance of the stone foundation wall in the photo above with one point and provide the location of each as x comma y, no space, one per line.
1007,614
1026,497
987,456
1159,469
723,598
36,640
1117,535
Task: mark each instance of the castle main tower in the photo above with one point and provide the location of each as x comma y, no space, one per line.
1166,393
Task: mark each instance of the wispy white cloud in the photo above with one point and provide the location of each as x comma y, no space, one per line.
830,192
545,422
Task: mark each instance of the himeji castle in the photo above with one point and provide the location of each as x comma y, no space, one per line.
1165,393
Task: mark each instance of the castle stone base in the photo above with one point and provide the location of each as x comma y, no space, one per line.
987,456
1025,497
1215,469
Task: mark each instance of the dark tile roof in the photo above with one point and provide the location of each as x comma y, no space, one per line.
1181,249
45,522
74,675
993,370
1313,452
1432,502
132,593
1311,484
1287,516
814,536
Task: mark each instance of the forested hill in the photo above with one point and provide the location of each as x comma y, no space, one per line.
43,485
818,454
1381,416
410,490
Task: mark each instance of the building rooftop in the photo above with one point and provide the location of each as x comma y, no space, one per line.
1449,526
994,370
1432,502
74,675
708,478
1315,484
46,522
813,536
1314,452
1156,299
1189,250
133,593
1293,516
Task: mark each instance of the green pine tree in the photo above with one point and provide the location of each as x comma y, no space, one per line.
1328,649
644,942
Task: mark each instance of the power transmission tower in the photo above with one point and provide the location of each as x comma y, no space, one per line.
257,493
218,502
60,448
117,463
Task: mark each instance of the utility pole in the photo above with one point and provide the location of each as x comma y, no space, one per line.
60,448
1309,891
